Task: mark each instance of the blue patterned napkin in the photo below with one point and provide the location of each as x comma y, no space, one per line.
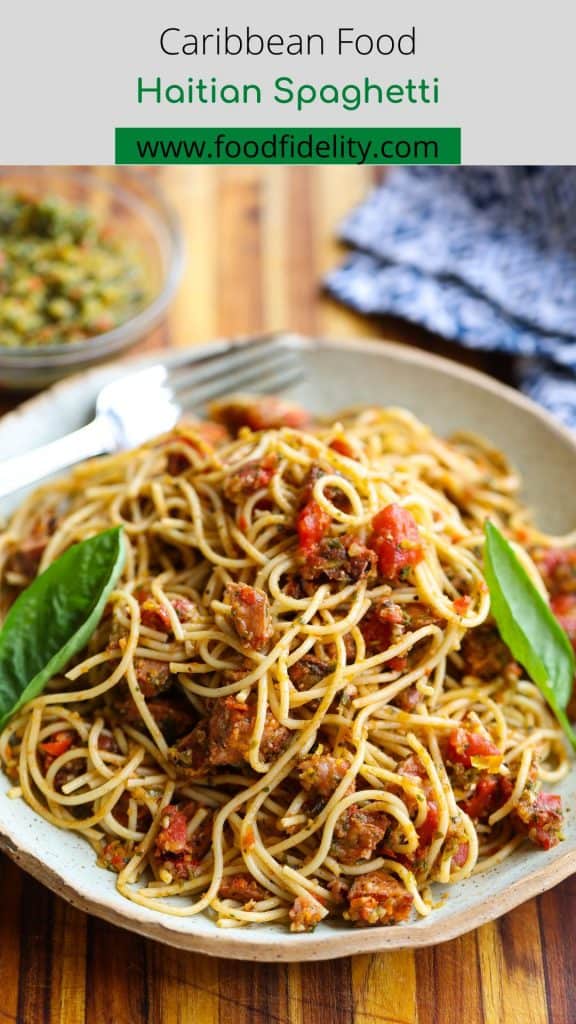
485,256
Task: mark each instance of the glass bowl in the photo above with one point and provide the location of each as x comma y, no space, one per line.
131,207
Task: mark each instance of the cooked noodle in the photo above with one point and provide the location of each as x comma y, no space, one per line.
324,722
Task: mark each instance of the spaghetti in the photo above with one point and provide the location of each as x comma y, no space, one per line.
295,705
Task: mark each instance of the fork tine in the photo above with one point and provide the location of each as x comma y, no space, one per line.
276,360
260,353
268,381
219,349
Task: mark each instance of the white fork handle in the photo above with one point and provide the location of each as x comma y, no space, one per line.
97,438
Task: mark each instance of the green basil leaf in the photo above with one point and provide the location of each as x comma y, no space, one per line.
527,626
55,616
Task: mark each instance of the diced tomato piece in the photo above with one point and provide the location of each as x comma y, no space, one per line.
321,773
258,413
208,436
408,699
172,838
564,604
378,625
250,615
211,433
116,854
312,525
184,608
59,745
490,793
412,767
249,478
564,608
314,474
558,569
396,541
176,852
106,742
549,817
429,826
541,818
305,913
342,447
461,604
480,803
343,559
382,625
461,855
381,628
464,747
154,615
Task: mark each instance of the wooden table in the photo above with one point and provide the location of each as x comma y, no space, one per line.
258,244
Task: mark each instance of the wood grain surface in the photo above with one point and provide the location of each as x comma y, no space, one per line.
259,241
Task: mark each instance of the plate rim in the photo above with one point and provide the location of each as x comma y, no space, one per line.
245,944
398,350
291,948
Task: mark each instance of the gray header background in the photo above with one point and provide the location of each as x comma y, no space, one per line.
68,72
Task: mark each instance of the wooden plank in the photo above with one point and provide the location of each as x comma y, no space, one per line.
116,971
384,987
449,987
326,992
302,281
276,214
557,913
255,993
193,193
336,191
238,267
68,966
182,986
36,965
11,879
296,997
512,969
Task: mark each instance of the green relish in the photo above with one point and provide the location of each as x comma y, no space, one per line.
63,276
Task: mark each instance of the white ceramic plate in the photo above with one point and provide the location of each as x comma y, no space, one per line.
448,397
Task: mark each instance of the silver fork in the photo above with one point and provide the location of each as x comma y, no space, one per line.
136,407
